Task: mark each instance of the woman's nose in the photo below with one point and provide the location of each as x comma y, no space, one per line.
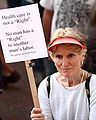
65,62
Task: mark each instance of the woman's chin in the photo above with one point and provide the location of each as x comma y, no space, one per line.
67,73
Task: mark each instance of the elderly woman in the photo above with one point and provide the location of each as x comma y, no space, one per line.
68,97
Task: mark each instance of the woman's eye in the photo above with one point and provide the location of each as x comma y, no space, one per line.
59,56
70,55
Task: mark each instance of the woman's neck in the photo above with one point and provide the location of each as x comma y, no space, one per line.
76,79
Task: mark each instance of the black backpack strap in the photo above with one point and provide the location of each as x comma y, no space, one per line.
48,86
87,86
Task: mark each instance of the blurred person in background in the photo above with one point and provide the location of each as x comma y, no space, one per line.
8,75
90,63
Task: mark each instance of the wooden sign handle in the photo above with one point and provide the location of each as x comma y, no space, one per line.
32,83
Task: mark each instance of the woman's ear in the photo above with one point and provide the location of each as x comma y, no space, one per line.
84,54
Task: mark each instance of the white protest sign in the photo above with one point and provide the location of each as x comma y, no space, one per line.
21,34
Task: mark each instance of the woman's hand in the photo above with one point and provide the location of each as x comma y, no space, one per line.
36,114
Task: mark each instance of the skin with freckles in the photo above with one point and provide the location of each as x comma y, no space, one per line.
67,59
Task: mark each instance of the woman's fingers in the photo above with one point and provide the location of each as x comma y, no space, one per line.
39,115
36,110
36,114
40,118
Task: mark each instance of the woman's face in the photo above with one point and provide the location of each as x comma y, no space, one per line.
66,60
